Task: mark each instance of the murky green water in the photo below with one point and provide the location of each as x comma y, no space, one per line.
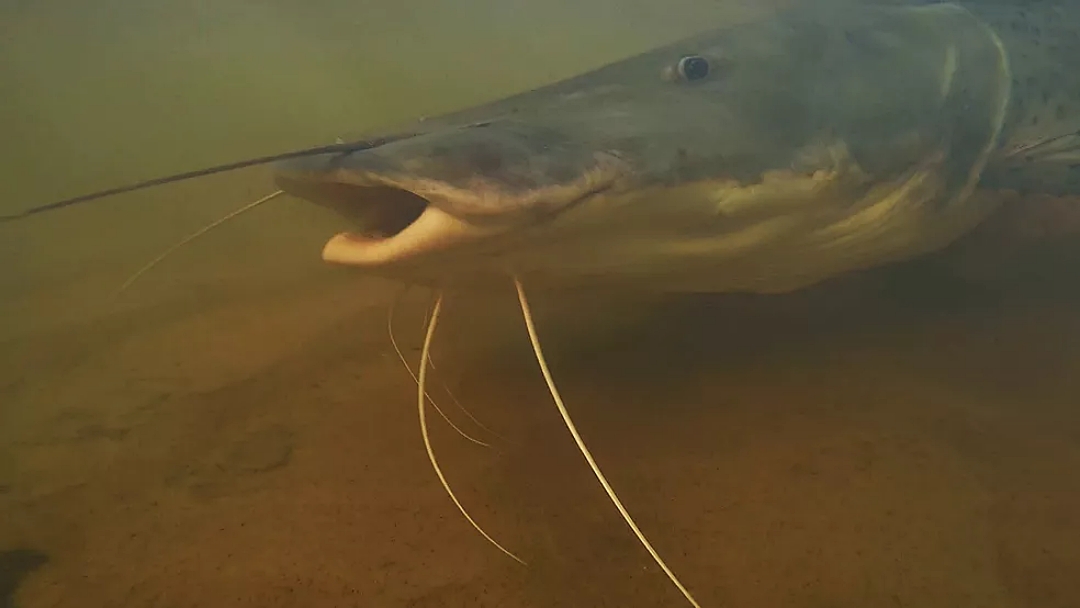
237,431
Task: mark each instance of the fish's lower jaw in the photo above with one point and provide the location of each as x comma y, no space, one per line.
434,230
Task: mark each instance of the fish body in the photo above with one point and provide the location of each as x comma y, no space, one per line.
761,158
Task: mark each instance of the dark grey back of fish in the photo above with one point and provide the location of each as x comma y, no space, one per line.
1040,152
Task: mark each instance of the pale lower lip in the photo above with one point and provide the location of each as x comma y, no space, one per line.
432,231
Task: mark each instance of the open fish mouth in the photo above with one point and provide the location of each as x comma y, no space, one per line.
388,220
395,216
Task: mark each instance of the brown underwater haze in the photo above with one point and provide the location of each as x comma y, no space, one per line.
235,430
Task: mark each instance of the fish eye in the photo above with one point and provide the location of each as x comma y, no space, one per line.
693,67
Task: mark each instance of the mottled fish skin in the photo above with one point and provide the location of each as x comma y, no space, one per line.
1042,40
